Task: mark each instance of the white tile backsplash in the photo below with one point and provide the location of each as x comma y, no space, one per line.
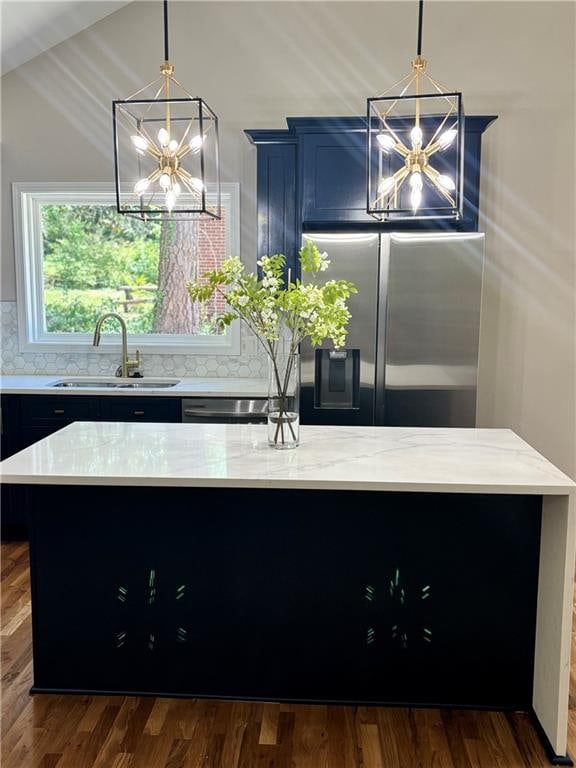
249,364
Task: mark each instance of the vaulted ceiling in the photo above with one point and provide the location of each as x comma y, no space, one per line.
29,27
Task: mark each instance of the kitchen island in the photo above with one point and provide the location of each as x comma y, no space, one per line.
400,566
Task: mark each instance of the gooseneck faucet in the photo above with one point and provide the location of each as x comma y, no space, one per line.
127,364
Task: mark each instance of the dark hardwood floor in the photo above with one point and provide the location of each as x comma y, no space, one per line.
46,731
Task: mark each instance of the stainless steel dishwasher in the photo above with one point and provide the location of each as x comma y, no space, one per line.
224,410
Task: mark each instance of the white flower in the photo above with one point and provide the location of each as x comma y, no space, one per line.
242,301
270,282
269,316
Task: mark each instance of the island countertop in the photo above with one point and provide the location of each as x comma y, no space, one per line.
329,457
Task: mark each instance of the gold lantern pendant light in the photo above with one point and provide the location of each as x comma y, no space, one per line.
415,146
166,150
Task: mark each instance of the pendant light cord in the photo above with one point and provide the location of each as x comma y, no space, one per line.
166,51
420,15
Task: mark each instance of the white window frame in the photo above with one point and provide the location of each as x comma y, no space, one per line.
27,199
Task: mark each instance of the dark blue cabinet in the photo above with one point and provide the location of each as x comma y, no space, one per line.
312,176
333,176
277,208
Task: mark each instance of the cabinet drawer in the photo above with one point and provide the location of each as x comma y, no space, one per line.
42,410
129,408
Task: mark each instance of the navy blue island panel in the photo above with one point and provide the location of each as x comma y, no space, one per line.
336,596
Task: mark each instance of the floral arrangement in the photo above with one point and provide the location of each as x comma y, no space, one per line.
281,312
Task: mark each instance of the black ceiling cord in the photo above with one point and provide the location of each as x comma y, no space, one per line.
420,14
166,52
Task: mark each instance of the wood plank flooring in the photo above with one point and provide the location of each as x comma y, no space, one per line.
46,731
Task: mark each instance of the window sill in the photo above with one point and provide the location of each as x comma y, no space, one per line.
228,347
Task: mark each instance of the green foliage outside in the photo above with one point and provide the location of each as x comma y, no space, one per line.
89,252
75,311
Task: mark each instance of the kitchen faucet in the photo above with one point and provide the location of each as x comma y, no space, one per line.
127,364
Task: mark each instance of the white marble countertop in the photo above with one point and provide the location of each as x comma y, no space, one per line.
186,387
342,458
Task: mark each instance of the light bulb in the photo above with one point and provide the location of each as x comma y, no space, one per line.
173,145
164,181
139,142
176,188
195,143
446,182
416,180
385,185
416,135
197,184
385,141
415,198
446,138
163,137
170,199
141,186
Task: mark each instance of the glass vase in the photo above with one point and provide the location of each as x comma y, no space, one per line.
284,400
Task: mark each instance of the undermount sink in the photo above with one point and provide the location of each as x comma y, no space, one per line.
115,383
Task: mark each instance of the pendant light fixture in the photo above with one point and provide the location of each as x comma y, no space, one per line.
415,146
166,150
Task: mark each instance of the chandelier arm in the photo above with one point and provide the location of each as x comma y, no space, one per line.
185,173
148,85
439,187
397,83
402,92
399,177
436,83
152,149
194,192
158,92
154,176
183,151
182,87
401,148
433,146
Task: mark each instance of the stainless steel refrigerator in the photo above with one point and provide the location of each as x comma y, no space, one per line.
411,357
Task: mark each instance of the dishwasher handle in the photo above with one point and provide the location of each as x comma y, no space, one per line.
201,413
228,410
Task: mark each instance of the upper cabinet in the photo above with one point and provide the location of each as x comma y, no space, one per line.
312,176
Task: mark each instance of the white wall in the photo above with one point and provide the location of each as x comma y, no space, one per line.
255,63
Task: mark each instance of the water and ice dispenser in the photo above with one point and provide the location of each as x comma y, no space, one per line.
337,378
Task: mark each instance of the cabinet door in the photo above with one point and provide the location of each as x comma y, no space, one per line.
9,423
12,507
333,173
278,230
130,408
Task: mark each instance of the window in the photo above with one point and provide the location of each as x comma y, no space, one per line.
77,258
